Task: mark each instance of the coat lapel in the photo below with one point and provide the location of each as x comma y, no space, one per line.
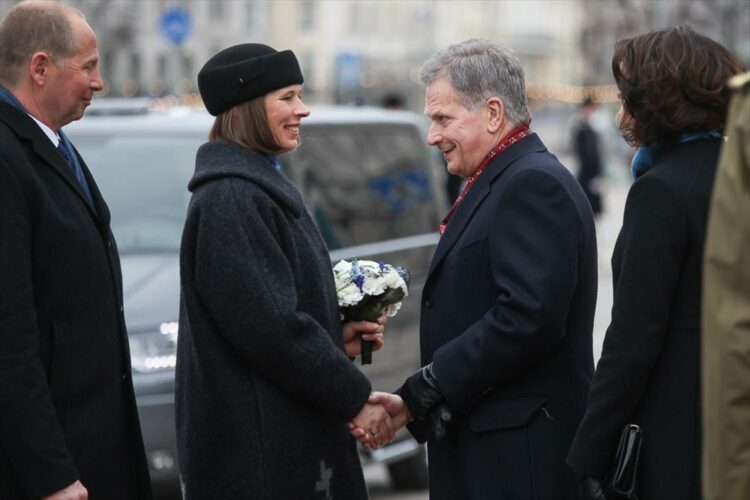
477,194
101,211
43,147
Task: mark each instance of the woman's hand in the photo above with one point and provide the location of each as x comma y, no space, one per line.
398,412
75,491
366,330
376,423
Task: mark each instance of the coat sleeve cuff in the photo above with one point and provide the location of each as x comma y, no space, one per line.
419,429
41,485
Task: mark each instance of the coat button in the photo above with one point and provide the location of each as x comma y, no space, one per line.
124,377
109,243
428,303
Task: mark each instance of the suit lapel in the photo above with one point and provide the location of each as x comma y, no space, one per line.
477,194
101,210
43,147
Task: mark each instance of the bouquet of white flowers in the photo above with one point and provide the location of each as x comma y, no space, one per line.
367,289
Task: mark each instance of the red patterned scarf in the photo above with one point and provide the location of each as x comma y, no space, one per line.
513,137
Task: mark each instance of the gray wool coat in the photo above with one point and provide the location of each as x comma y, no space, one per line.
264,389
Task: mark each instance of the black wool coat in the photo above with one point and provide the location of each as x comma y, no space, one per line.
264,389
507,317
649,372
588,153
67,410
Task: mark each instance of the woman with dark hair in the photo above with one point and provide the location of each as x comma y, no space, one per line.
674,92
265,386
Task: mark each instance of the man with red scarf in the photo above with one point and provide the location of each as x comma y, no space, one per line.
508,305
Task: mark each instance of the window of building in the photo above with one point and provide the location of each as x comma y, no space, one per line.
216,10
135,66
307,13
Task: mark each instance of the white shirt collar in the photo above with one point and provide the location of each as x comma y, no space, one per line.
48,132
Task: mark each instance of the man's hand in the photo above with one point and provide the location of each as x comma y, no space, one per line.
398,412
395,407
75,491
425,401
421,392
366,330
376,423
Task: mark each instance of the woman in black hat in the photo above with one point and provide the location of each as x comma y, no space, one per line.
265,385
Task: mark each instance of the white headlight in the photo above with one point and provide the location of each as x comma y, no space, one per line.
154,351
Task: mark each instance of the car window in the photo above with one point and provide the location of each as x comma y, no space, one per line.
364,183
144,181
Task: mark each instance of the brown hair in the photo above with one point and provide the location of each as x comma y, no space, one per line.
32,27
671,82
247,125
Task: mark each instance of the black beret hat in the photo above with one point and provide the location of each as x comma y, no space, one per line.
243,72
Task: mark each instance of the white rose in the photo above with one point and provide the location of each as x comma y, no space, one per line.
349,295
392,309
342,267
373,285
394,280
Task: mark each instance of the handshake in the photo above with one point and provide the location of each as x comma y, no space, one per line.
384,414
379,420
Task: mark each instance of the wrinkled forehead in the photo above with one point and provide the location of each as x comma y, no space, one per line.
439,96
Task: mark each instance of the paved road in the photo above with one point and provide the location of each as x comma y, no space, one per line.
380,489
607,229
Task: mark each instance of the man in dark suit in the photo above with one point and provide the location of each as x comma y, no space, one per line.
508,305
588,153
68,421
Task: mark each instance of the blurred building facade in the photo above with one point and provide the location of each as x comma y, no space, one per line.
358,51
605,21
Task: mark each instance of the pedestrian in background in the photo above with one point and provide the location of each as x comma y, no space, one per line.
508,305
673,86
264,382
588,154
726,313
68,420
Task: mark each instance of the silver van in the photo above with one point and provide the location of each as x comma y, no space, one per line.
374,188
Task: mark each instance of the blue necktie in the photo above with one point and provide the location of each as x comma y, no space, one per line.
76,168
64,147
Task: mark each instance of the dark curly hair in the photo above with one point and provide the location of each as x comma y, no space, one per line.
671,82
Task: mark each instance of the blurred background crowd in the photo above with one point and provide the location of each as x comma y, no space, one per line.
368,52
361,51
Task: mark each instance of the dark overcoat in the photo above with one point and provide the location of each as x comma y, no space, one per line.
586,147
67,409
507,318
725,347
649,372
264,388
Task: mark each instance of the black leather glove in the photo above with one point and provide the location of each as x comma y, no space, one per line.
591,488
423,397
440,415
421,392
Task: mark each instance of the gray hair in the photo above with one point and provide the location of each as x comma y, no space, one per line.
35,26
479,69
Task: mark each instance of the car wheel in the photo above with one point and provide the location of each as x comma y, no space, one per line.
411,472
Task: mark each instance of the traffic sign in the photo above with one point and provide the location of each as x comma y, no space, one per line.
175,24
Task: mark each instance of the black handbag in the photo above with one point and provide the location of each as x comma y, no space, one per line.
623,475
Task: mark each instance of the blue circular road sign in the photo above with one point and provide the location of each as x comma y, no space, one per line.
175,24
